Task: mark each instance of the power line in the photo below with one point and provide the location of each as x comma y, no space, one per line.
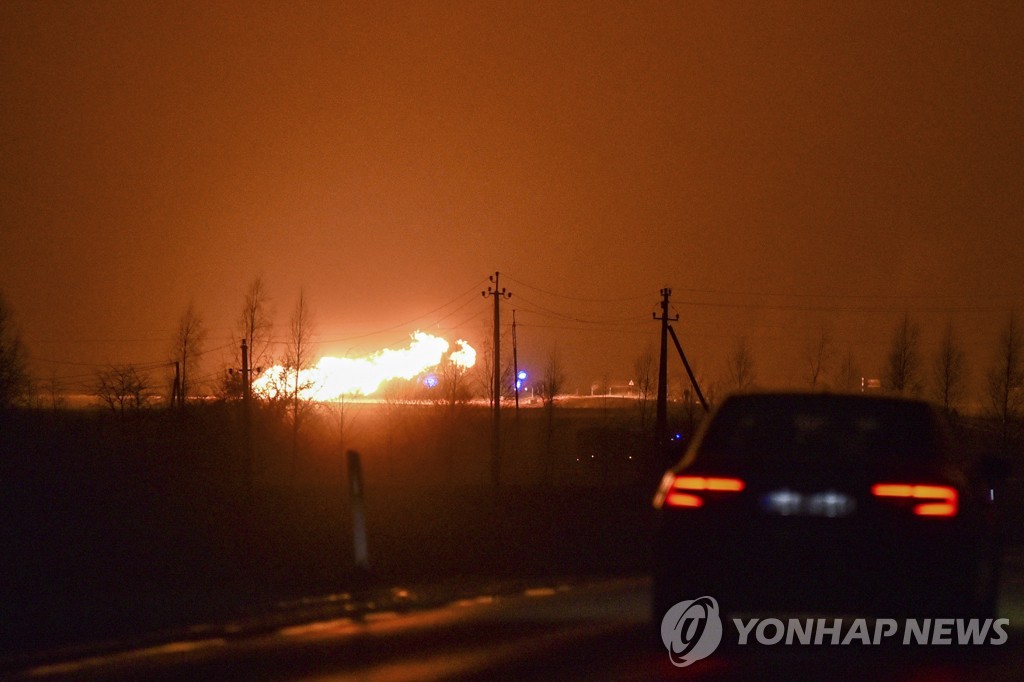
835,309
35,340
548,312
609,330
578,298
809,294
466,293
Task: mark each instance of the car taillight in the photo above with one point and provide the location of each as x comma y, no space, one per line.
927,500
708,483
681,491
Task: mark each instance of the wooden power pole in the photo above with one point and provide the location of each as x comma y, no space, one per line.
498,294
661,419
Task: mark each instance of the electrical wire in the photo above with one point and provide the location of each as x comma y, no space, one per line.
832,309
411,322
577,298
808,294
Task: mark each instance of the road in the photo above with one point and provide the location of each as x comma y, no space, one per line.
551,630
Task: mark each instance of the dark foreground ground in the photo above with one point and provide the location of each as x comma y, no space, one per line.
429,550
542,629
109,571
115,536
113,526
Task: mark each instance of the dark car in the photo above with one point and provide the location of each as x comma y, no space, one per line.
788,502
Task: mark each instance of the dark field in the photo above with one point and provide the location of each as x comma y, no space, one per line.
112,528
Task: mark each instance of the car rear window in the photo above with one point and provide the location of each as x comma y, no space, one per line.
823,430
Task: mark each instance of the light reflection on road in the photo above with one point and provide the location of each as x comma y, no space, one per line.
557,631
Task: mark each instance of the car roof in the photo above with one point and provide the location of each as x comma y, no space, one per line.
759,424
825,398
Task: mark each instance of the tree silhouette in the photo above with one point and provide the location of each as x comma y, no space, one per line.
1006,380
551,384
643,370
15,383
949,371
187,349
903,366
849,374
818,354
256,323
123,389
299,358
742,368
254,326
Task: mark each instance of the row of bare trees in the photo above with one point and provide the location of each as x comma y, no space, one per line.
906,371
15,383
127,388
944,378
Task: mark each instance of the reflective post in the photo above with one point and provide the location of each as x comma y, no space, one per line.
361,553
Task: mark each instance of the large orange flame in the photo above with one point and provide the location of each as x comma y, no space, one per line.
334,377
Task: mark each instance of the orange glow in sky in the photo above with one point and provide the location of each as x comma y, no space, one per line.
790,169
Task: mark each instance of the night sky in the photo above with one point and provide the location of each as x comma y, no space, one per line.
784,167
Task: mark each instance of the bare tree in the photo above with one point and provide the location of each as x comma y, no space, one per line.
903,366
256,323
15,383
299,357
643,370
949,371
188,348
123,389
454,383
818,353
255,327
742,368
849,374
55,391
451,393
484,370
1006,379
551,384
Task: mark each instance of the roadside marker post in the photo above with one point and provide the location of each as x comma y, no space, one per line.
361,553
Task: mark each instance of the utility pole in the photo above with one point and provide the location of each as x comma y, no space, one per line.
247,418
246,377
498,294
661,419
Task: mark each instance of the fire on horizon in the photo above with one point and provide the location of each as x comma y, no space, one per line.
333,377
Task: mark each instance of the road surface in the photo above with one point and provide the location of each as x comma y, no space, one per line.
551,630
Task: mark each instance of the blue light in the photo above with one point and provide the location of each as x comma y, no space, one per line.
430,381
520,379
